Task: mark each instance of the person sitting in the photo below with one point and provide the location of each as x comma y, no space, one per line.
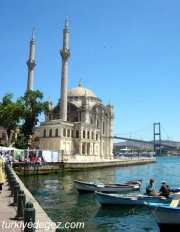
27,161
40,161
150,189
37,161
164,190
34,159
20,158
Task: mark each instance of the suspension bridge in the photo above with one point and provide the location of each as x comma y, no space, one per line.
157,142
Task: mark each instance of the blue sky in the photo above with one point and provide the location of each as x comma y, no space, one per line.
125,51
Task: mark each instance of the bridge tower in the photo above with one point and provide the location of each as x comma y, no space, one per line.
157,132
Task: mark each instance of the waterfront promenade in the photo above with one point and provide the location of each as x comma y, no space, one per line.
7,212
8,221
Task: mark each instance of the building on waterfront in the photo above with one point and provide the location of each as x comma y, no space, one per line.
80,127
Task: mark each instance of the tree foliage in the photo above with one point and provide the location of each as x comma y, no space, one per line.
20,142
22,114
10,113
33,107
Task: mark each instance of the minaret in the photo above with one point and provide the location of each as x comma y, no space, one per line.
65,54
49,116
31,63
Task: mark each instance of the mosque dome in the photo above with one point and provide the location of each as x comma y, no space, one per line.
80,91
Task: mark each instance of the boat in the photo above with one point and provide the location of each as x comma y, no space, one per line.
130,199
129,152
167,216
118,187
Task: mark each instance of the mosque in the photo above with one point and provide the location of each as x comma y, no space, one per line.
79,127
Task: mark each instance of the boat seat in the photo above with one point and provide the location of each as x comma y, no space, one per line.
175,201
163,198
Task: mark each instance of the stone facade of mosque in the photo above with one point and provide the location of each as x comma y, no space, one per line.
88,132
80,127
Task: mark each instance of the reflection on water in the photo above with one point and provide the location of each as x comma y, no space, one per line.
59,198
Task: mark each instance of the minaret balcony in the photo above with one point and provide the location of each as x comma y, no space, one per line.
65,54
31,64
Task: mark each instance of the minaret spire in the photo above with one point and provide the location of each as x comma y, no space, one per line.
31,63
33,34
65,54
66,22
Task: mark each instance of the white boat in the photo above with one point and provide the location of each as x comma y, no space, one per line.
118,187
167,215
127,152
129,199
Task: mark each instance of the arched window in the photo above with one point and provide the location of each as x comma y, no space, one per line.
68,133
37,138
103,128
72,134
96,137
97,123
75,119
44,133
56,132
91,121
50,133
64,132
77,134
88,134
84,134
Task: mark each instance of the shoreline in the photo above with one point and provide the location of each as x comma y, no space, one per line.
65,167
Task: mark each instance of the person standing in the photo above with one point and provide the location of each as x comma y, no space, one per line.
150,189
10,159
2,166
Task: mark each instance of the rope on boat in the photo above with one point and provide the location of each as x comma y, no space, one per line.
88,197
133,209
147,218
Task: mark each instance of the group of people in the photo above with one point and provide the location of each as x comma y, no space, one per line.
163,191
36,160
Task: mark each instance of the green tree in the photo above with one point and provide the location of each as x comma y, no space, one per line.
20,142
33,108
10,113
22,114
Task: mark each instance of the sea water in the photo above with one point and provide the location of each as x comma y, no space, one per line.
59,198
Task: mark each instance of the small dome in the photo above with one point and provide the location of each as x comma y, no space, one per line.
80,91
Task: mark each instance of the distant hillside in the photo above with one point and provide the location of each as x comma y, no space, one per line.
143,145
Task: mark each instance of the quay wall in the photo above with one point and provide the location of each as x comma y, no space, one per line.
40,214
63,166
110,163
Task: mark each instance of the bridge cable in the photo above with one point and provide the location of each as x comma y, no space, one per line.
165,131
140,130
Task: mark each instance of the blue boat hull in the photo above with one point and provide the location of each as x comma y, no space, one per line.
167,217
129,199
